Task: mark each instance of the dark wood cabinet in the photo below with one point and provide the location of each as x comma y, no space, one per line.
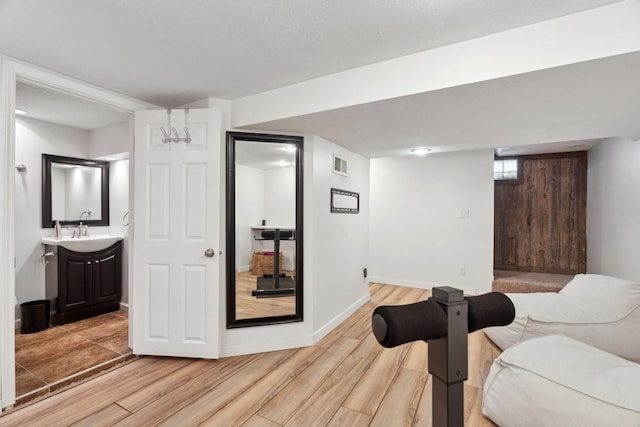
89,283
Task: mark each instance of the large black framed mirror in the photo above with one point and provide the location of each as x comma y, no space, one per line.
74,190
264,227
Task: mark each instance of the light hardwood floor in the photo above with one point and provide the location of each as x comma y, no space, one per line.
249,307
346,379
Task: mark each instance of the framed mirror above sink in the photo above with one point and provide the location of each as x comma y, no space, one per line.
74,190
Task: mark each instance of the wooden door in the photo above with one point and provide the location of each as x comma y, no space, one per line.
540,220
176,240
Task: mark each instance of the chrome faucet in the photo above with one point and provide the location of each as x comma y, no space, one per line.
88,213
81,231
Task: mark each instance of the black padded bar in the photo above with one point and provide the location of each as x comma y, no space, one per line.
426,320
492,309
444,320
400,324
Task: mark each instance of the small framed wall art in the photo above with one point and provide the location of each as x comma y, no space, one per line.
343,201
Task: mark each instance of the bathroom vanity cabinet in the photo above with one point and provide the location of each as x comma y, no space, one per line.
89,283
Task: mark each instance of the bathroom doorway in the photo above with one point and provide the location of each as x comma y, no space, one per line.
62,115
56,123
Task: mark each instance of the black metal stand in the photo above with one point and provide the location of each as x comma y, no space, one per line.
444,321
448,359
275,286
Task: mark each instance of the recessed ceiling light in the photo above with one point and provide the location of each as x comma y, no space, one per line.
283,163
289,148
20,112
420,151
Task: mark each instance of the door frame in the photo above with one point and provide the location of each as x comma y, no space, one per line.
12,70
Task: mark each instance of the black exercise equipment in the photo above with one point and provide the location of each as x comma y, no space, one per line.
276,284
444,320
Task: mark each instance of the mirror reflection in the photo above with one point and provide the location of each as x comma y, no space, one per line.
74,190
266,239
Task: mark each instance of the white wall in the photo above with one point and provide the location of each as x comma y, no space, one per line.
109,140
340,241
417,236
250,183
613,208
118,222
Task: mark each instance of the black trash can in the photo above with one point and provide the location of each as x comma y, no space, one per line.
34,316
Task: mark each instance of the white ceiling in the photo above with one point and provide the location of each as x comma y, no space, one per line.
64,109
558,104
170,52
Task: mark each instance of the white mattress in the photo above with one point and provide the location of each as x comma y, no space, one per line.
558,381
600,310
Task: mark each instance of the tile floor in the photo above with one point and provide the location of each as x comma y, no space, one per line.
60,355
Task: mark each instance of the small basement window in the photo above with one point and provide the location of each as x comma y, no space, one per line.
505,169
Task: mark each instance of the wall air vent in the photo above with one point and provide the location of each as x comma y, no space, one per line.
339,165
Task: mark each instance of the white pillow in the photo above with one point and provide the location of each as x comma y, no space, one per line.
599,310
603,294
558,381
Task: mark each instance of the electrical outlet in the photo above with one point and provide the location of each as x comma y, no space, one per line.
462,270
463,213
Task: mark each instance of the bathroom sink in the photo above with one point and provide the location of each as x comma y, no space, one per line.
83,244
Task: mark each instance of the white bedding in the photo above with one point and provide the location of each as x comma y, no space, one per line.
600,310
558,381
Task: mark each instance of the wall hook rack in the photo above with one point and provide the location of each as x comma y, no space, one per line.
176,138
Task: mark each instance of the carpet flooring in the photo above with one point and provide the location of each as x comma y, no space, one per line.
522,281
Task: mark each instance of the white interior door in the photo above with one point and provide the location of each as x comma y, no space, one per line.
175,289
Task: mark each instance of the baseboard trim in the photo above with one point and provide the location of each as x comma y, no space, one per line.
124,306
404,282
420,284
333,323
267,345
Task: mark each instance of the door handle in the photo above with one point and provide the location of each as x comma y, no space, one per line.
209,253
